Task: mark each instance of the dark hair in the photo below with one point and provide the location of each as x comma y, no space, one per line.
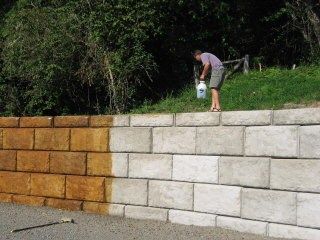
196,52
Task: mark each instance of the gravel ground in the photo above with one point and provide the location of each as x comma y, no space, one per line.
91,226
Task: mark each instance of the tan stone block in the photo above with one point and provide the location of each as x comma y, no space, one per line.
94,207
8,160
52,139
33,161
100,164
109,121
71,121
71,205
5,197
68,163
9,122
17,138
28,200
48,185
36,122
90,139
85,188
15,182
1,139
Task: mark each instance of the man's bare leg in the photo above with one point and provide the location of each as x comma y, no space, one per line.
216,98
213,105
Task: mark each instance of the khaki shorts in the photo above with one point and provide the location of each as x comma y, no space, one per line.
217,78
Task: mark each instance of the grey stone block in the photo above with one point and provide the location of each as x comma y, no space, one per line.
295,174
246,118
266,205
129,139
146,120
146,213
281,141
244,171
158,166
174,140
220,140
310,142
286,231
308,210
297,116
242,225
198,119
166,194
127,191
192,168
217,199
192,218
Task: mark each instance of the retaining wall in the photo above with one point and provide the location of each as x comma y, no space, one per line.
251,171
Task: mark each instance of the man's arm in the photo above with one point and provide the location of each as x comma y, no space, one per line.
205,71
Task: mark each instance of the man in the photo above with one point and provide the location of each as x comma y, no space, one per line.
211,62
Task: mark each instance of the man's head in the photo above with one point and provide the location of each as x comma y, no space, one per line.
197,55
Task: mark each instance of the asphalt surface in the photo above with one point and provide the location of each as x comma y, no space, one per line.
91,227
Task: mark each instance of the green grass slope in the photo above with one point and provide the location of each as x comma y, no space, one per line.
269,89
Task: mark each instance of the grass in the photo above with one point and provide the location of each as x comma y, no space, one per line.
269,89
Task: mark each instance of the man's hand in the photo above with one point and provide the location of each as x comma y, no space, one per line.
202,77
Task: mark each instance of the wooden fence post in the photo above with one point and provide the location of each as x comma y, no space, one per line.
246,64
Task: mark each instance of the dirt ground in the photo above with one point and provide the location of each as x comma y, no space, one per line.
91,226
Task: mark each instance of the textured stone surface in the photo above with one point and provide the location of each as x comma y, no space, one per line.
176,195
192,218
94,207
246,118
295,174
85,188
129,139
107,164
266,205
17,138
308,210
220,140
146,120
7,160
71,205
280,141
191,168
158,166
71,121
146,213
1,139
33,161
217,199
28,200
9,122
48,185
297,116
109,121
68,163
242,225
244,171
90,139
198,119
126,191
36,121
286,231
15,182
174,140
5,197
310,142
52,139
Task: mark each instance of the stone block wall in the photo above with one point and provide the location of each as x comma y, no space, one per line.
250,171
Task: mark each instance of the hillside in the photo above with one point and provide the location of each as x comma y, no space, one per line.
273,88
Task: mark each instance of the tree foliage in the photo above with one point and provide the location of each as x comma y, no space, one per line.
106,56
